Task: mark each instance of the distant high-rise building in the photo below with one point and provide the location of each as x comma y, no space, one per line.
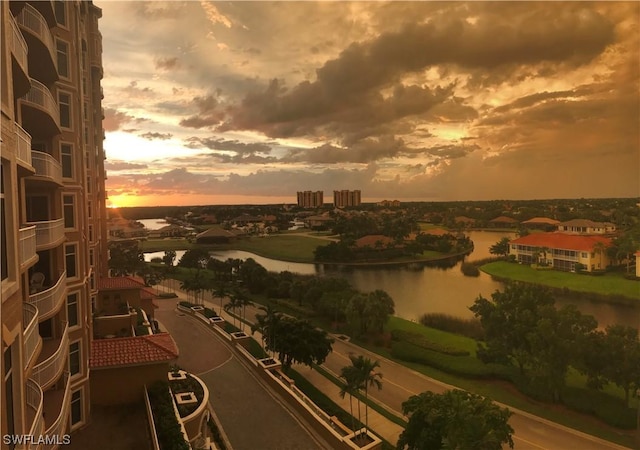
346,198
52,210
310,199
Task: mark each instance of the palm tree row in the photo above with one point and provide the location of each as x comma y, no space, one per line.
360,376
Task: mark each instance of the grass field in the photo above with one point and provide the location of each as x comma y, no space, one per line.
607,284
285,247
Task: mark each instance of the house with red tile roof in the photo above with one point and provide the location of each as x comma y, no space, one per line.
504,222
125,365
562,251
584,226
541,223
374,241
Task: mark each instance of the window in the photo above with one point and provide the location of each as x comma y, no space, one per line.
68,202
88,188
584,254
74,358
61,12
64,100
66,153
8,397
3,229
76,407
62,49
90,209
90,233
72,309
71,262
91,257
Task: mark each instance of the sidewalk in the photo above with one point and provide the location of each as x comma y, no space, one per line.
379,424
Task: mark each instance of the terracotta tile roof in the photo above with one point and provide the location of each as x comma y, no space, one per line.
370,240
585,223
562,241
503,219
436,231
113,283
132,351
542,220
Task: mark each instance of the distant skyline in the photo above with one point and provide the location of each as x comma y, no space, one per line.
250,102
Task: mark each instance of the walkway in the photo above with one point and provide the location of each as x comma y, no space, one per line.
251,414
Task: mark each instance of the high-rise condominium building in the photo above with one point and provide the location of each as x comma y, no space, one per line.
345,198
52,210
310,199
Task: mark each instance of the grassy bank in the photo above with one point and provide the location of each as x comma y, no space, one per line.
609,284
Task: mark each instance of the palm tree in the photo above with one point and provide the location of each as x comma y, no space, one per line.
220,291
366,376
267,325
233,304
349,374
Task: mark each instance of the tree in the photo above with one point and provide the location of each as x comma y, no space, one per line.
196,258
267,325
169,258
300,342
623,346
500,248
233,304
351,385
509,319
366,376
455,420
355,311
125,258
378,308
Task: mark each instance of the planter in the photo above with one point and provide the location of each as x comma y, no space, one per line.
269,363
240,338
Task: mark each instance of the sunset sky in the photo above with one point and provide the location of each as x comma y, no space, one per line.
249,102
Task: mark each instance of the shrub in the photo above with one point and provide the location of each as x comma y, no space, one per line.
465,366
469,270
168,429
422,342
610,410
465,327
209,313
186,304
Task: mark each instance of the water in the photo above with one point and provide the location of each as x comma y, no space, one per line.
153,224
428,289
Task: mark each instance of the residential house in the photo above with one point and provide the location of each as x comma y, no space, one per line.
562,251
584,226
503,222
541,223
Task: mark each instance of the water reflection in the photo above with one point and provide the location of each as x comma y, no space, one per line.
430,288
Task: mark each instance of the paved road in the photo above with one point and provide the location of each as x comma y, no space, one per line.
252,415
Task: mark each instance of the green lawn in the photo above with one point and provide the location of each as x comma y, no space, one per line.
159,245
607,284
286,247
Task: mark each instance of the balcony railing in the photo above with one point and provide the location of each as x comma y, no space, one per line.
27,249
31,337
46,166
49,370
40,96
59,426
36,24
19,46
50,300
23,140
34,402
49,233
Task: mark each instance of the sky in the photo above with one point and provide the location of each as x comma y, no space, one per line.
250,102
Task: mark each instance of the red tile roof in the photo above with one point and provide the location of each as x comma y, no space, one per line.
503,219
562,241
542,220
132,351
372,239
113,283
436,231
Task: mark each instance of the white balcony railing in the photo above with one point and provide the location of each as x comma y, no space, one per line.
19,47
49,370
23,140
33,21
27,248
41,96
46,166
34,399
31,337
59,426
50,300
49,233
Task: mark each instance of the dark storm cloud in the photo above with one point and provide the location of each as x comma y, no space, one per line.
538,35
235,146
209,113
154,135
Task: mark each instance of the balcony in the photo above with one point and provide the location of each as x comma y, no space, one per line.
32,342
23,141
53,360
42,51
34,397
47,168
49,233
20,66
27,247
57,403
40,111
49,301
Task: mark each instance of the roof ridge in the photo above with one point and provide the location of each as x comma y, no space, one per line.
152,339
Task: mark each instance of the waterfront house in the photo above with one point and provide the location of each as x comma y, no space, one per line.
567,252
